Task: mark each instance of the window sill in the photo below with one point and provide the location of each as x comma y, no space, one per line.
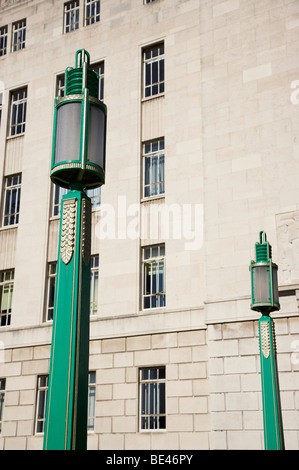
153,97
155,431
151,311
65,33
9,227
92,25
152,198
10,137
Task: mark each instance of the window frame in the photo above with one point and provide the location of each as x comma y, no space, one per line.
41,419
94,285
148,66
60,85
18,101
3,283
146,400
149,156
99,67
151,261
18,28
8,192
58,192
74,11
91,397
3,40
51,284
97,15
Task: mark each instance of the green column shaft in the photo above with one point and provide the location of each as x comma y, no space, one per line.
273,429
66,416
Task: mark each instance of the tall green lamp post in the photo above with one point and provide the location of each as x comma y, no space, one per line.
265,299
78,163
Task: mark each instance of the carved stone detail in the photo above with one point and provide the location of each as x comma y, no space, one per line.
68,229
86,231
288,247
265,339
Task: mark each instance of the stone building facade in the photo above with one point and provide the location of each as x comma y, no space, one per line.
202,154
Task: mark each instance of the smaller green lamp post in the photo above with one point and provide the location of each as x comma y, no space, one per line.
265,299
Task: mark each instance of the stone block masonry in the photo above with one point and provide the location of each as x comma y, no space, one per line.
117,362
235,384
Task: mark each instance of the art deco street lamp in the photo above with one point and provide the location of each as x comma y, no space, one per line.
265,299
78,163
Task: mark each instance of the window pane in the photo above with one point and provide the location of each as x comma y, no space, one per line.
18,112
41,404
162,397
152,398
154,70
147,173
91,408
154,277
153,168
12,200
161,70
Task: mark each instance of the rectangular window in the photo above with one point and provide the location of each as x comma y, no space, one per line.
3,40
153,168
41,403
153,258
6,294
152,398
153,70
91,401
95,196
71,16
12,200
94,284
18,35
92,11
18,107
99,68
148,1
60,85
58,192
2,397
51,290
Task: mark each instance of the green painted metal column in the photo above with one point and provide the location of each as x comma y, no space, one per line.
265,299
273,430
66,423
78,164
